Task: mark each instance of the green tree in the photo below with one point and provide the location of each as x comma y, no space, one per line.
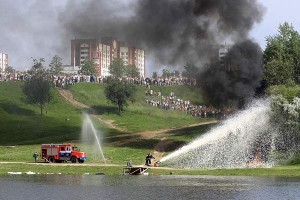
154,75
119,93
38,66
190,71
9,69
279,72
282,56
56,65
176,73
37,90
166,73
132,71
88,68
117,69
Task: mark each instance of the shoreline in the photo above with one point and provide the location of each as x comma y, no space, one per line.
24,168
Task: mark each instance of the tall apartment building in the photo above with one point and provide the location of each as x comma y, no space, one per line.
3,62
104,51
223,50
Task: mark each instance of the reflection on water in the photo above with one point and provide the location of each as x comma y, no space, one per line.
147,187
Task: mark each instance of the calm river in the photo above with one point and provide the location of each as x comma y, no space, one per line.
147,187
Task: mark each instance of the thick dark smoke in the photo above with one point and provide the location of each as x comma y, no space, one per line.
173,32
234,82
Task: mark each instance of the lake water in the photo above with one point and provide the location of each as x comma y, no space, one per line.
146,187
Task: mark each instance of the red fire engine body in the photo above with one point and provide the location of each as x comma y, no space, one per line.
62,153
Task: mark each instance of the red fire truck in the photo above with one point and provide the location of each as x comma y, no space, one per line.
62,153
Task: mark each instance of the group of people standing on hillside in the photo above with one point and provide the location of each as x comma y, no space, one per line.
171,102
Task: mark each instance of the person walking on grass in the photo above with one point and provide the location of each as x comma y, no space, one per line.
35,156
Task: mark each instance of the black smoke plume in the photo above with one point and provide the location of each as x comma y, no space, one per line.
234,81
173,32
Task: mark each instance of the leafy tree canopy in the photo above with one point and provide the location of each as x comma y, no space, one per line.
190,71
117,69
131,71
37,90
154,75
176,73
119,93
282,56
9,69
166,73
38,66
88,68
56,65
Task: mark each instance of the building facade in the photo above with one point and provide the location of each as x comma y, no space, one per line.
3,62
223,50
71,70
104,51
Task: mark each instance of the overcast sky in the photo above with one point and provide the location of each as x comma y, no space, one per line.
31,29
277,13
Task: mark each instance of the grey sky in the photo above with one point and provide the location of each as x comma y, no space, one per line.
30,28
277,13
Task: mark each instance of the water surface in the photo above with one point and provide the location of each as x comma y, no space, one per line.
147,187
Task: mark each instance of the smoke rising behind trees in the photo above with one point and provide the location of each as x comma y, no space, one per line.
175,32
172,31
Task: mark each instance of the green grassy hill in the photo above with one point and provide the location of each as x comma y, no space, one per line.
23,130
139,116
23,127
22,123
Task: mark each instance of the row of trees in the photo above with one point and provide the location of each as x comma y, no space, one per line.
116,69
55,66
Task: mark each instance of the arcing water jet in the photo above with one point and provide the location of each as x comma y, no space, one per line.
88,131
235,143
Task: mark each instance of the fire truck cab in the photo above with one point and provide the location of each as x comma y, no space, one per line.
62,153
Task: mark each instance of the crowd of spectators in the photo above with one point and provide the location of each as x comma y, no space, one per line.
58,80
160,81
172,102
71,79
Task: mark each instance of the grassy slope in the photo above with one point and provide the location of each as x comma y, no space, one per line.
139,116
22,124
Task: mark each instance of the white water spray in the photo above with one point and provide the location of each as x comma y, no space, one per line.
88,129
228,145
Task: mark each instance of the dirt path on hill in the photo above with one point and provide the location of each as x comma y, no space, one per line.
158,150
69,97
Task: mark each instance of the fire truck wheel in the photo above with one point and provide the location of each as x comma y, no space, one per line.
73,159
51,159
